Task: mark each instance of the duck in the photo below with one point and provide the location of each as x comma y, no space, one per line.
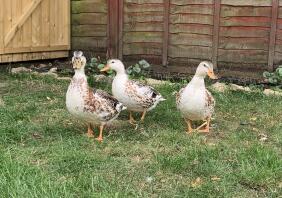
136,96
93,106
194,101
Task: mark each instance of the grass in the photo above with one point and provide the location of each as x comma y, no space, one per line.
43,152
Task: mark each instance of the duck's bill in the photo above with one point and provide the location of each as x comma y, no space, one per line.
212,75
106,68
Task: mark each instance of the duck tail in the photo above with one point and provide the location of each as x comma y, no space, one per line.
160,98
120,107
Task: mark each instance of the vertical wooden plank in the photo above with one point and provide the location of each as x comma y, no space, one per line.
53,25
1,28
27,26
7,26
60,21
120,30
113,28
45,22
68,23
216,22
108,55
166,32
36,26
272,39
27,30
16,13
66,13
36,18
17,40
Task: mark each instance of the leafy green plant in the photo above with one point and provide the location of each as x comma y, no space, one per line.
96,64
139,70
274,78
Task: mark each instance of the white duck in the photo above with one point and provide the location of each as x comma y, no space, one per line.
194,101
137,97
95,106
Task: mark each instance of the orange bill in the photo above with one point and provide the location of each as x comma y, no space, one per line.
212,75
106,68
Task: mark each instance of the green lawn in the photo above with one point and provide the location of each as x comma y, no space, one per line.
43,152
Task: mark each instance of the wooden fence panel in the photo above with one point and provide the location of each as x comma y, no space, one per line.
243,35
143,29
30,29
89,26
190,31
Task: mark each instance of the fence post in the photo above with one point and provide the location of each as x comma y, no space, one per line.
112,28
166,32
216,23
120,30
272,39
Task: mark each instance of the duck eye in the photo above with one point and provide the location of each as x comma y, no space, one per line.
113,61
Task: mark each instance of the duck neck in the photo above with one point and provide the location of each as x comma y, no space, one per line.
198,81
121,73
80,78
79,73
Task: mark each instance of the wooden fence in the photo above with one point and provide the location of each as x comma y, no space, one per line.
34,29
237,36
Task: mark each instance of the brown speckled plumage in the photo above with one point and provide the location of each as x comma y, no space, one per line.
96,101
95,107
101,103
210,103
195,102
178,96
148,96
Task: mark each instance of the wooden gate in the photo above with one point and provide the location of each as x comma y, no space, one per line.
34,29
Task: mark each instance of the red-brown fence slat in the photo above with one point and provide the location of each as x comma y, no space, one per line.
120,29
113,7
216,22
271,51
166,32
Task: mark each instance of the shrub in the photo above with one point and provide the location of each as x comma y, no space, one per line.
138,70
274,78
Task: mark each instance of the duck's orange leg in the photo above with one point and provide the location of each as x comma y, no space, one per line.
131,119
143,115
100,137
207,128
201,126
189,125
90,132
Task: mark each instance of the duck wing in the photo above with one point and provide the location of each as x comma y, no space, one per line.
210,102
179,95
142,93
104,105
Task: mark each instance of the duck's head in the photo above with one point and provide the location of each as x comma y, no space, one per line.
115,65
205,68
78,60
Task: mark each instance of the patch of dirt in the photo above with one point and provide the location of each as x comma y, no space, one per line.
253,186
2,103
3,90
